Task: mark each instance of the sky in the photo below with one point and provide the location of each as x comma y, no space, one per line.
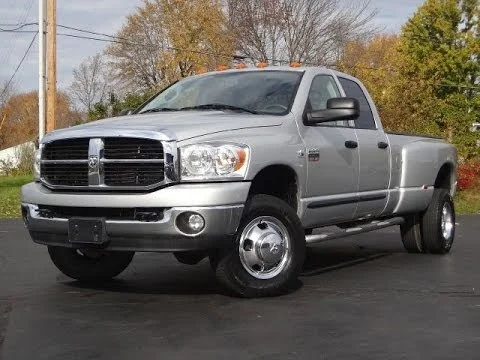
107,16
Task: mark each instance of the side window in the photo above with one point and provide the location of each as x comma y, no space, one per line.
352,89
323,88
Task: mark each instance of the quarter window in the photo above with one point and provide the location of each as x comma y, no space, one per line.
352,89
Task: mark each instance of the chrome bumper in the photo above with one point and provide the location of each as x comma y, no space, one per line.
220,204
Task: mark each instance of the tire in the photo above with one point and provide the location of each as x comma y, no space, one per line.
90,265
438,223
269,250
411,232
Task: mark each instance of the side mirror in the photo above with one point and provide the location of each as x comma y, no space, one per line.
125,112
337,109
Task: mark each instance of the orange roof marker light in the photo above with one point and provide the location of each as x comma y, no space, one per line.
241,66
222,68
295,64
262,64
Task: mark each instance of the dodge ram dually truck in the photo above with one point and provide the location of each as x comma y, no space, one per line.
239,166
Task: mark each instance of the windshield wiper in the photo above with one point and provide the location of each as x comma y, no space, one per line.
219,107
159,109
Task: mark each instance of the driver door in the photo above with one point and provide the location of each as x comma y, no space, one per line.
332,161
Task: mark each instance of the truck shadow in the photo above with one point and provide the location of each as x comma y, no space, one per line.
158,274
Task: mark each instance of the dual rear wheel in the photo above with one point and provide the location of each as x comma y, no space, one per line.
434,230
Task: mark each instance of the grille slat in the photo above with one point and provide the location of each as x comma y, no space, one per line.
107,213
136,174
71,149
65,175
132,174
132,148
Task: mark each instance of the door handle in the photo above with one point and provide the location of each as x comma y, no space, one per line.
351,144
382,145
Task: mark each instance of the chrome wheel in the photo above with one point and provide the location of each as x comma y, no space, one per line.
447,223
264,247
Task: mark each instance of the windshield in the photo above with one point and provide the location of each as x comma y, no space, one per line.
262,92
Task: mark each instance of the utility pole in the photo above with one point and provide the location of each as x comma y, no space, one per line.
41,68
52,64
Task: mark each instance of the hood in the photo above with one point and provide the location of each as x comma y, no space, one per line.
179,126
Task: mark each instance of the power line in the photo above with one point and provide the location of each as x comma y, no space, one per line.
126,41
19,64
18,27
19,31
90,32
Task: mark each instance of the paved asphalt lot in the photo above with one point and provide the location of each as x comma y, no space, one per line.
360,298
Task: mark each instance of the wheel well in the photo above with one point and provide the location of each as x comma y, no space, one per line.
279,181
444,177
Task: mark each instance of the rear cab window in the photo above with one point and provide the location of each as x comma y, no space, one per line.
353,90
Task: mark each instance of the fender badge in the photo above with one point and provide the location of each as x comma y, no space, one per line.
313,155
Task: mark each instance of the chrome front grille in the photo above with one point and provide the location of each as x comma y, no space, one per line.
106,163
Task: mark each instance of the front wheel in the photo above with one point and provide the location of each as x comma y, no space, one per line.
269,250
88,264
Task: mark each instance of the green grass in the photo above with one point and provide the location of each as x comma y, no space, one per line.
466,201
10,195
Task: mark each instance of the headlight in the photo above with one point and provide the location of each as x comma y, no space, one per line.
213,161
36,164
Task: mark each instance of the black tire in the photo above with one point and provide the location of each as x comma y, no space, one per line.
411,232
76,265
232,274
434,239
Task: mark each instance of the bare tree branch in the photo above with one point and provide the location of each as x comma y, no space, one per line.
90,82
310,31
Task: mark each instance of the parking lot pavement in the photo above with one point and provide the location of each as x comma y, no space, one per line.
359,298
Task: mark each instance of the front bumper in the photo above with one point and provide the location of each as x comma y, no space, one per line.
220,204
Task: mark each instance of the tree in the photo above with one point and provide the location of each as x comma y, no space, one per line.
115,105
167,39
310,31
90,82
21,121
6,91
377,63
440,46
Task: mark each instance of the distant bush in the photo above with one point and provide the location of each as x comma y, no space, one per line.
468,175
21,163
26,156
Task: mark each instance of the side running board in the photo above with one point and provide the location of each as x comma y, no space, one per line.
363,228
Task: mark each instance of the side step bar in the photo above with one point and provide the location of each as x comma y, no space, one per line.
367,227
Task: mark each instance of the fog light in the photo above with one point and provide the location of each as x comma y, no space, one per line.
190,223
196,222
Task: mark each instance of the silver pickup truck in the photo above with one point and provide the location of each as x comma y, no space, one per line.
239,166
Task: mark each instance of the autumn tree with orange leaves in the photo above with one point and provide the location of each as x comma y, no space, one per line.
21,118
165,40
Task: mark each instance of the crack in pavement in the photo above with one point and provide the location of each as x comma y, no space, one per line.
5,311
